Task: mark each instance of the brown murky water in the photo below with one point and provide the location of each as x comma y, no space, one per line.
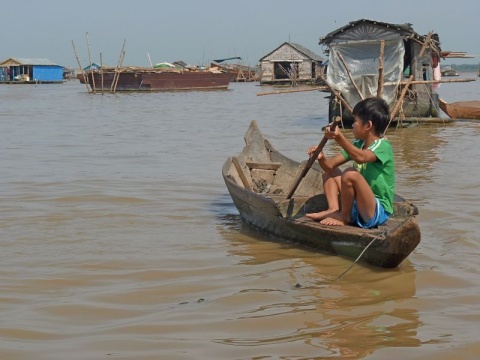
119,240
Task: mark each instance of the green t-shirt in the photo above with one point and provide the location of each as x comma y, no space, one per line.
380,175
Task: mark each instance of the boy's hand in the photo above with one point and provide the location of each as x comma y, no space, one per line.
331,134
312,149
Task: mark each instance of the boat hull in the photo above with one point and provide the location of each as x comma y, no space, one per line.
155,80
461,109
266,208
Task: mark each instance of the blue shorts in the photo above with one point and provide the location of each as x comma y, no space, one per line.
380,217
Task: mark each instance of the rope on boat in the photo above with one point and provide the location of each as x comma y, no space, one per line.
366,247
359,256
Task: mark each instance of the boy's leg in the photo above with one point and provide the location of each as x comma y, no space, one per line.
331,188
356,188
353,187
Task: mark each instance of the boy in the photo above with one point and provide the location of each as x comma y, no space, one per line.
366,189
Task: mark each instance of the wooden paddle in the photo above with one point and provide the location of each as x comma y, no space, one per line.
311,160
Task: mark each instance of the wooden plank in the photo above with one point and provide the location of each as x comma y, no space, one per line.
263,166
241,174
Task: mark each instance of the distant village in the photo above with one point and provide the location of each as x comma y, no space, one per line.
364,58
288,63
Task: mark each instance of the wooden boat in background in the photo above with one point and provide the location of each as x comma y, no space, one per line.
449,71
258,180
150,79
461,109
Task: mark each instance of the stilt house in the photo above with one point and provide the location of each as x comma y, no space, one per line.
374,58
290,63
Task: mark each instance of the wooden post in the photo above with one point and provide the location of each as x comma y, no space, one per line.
380,69
80,66
91,68
350,76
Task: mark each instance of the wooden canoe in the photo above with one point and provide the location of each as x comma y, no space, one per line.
258,180
461,109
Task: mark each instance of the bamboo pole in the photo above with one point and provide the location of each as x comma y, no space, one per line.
413,66
336,93
119,71
101,72
400,99
380,69
80,66
90,61
349,73
116,69
410,79
149,60
292,91
438,81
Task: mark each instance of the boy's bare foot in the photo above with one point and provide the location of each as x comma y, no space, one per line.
320,215
335,219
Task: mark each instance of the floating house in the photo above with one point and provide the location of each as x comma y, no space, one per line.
373,58
290,63
30,70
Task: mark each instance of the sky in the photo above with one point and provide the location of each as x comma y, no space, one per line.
199,31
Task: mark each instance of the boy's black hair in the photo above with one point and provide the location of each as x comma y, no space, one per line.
376,110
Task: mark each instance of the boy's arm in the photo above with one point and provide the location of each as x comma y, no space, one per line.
360,156
328,164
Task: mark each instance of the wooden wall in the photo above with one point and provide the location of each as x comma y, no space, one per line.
286,53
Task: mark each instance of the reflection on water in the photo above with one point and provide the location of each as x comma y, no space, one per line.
348,318
119,238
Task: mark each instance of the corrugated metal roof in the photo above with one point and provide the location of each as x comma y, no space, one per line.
30,61
403,29
306,52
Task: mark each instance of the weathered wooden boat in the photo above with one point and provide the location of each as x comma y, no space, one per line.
461,109
149,79
258,180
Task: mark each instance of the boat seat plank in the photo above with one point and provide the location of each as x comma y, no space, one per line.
263,166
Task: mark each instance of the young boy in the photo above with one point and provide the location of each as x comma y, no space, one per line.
366,189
